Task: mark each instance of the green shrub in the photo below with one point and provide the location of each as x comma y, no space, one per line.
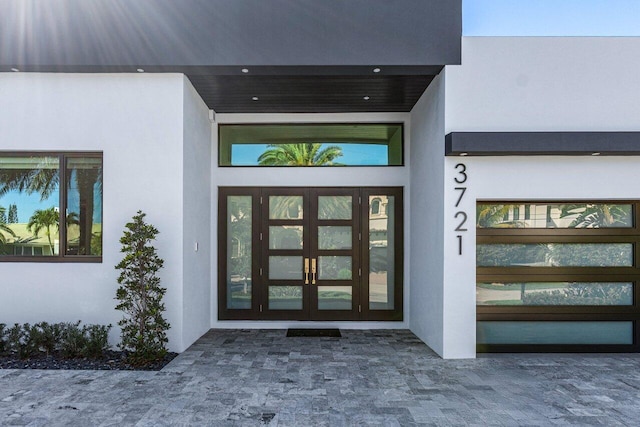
97,340
3,342
70,339
143,328
15,341
73,341
31,340
50,336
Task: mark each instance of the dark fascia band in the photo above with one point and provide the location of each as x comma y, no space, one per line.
542,143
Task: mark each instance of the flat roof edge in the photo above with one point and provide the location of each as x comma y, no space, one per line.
624,143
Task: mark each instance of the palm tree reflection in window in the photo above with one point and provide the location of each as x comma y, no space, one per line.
41,175
306,154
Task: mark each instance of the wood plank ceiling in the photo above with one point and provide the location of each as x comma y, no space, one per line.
309,94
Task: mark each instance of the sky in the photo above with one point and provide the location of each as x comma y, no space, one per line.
352,154
551,17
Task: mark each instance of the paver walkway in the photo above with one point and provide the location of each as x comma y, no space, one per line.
379,377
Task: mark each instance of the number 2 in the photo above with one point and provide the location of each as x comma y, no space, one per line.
464,219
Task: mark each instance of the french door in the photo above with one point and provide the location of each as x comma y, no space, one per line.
310,253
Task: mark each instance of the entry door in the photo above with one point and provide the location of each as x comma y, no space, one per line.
310,251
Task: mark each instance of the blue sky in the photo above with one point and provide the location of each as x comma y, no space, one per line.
551,17
353,154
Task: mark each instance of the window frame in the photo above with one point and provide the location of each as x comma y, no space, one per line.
230,165
62,194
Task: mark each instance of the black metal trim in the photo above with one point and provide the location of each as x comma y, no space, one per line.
542,143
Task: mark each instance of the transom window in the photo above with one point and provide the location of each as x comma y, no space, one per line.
318,144
50,206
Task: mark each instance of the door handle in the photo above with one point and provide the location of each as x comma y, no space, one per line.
313,271
306,271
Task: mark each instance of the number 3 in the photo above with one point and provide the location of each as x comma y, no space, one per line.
462,173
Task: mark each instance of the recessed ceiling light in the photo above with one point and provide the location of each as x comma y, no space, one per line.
595,154
140,70
255,98
245,70
15,70
376,70
366,98
464,154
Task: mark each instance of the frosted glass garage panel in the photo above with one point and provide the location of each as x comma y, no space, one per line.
554,293
558,215
532,332
555,255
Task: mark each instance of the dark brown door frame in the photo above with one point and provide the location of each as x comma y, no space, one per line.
360,249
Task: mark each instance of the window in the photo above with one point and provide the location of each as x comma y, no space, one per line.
41,191
323,144
375,207
564,278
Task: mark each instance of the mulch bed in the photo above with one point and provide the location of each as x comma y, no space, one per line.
112,360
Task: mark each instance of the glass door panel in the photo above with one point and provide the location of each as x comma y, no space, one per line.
382,258
284,237
334,237
286,207
335,207
381,252
334,230
239,249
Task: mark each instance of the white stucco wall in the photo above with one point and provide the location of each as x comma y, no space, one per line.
396,176
427,193
545,83
196,217
137,121
532,84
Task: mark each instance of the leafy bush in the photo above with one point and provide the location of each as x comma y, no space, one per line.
51,335
31,339
97,340
71,340
15,340
140,295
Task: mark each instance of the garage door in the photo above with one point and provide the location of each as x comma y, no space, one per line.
557,276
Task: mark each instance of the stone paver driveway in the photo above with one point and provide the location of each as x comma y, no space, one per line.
379,377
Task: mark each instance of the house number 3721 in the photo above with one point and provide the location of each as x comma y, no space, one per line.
460,216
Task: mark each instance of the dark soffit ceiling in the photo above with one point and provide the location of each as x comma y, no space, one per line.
310,94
